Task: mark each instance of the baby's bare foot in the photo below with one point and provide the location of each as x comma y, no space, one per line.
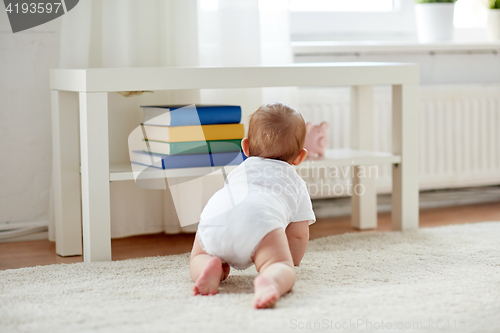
208,281
266,293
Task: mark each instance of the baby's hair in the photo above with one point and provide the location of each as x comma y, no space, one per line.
276,131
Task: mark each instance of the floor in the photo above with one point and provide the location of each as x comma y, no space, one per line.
33,253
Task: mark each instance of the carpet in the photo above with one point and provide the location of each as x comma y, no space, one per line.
431,279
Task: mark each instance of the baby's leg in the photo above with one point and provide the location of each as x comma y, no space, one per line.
206,271
276,271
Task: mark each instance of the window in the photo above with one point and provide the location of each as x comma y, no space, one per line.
470,14
351,19
341,5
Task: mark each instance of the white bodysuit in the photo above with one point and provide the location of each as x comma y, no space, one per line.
259,196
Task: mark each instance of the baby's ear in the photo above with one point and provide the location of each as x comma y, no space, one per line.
309,127
245,147
324,125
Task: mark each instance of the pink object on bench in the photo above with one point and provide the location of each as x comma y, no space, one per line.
316,139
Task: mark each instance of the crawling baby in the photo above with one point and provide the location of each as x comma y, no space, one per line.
263,213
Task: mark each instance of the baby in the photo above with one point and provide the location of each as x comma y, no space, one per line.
263,213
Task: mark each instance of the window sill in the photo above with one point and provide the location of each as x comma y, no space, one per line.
389,47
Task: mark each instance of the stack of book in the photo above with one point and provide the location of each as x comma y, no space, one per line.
187,136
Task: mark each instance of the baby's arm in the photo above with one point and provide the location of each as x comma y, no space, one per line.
298,237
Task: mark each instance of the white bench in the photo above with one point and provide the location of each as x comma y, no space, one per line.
80,98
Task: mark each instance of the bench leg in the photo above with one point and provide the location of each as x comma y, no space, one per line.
364,198
95,176
66,173
405,142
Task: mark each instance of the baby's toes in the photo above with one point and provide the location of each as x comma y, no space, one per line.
196,290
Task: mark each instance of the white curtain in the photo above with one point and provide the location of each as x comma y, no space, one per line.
138,33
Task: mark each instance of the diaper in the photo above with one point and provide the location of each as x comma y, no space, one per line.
234,238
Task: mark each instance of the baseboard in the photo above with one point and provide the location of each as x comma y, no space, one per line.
23,231
44,235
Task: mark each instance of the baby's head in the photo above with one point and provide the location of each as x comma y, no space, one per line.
276,131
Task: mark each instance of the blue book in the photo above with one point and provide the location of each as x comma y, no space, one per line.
187,161
188,115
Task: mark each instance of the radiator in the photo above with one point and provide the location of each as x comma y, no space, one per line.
459,133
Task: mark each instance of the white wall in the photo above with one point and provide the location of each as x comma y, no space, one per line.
25,120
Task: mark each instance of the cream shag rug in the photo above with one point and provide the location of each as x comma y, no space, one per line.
445,278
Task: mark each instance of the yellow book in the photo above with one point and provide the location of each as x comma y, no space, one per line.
195,133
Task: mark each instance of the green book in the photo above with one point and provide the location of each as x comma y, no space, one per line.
193,147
